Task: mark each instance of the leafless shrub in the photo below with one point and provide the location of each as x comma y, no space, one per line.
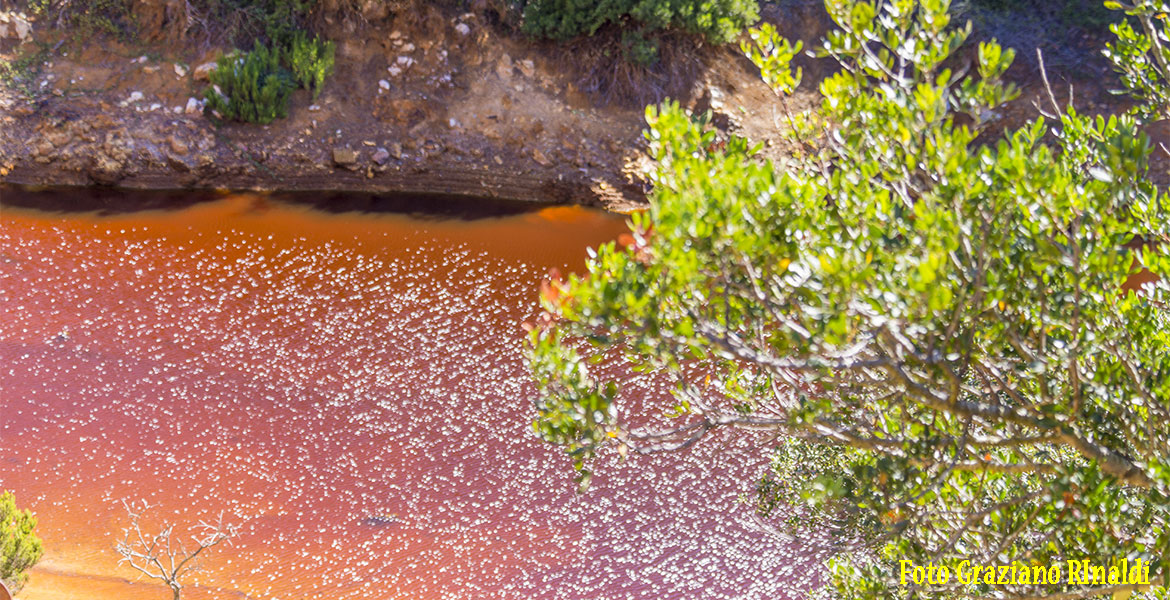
165,555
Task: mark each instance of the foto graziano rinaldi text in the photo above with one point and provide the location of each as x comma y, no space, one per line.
1072,572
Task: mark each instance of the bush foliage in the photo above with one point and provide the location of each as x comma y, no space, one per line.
256,87
719,21
253,87
88,17
311,61
1142,56
20,548
932,327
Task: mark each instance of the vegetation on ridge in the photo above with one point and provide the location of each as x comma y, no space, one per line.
256,86
252,87
719,21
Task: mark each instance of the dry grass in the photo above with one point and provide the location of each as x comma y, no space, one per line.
600,68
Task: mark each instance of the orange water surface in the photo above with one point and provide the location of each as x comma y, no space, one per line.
348,387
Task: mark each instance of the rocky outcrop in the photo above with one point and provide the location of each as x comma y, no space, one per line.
14,26
152,150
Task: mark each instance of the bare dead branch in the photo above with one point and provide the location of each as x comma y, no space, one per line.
163,556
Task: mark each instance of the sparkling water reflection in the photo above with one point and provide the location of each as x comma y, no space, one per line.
351,383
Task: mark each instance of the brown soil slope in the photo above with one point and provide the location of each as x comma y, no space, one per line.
443,104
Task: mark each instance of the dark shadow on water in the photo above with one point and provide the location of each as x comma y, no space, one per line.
110,201
102,200
425,206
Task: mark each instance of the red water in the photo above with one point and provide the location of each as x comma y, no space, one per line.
303,372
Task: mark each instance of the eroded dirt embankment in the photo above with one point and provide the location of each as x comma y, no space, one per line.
443,104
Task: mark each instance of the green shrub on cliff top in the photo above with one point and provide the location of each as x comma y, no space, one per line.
256,87
253,87
719,21
20,548
311,60
88,17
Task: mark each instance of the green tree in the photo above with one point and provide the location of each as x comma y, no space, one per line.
20,548
924,311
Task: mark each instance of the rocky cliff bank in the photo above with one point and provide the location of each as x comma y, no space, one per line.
441,103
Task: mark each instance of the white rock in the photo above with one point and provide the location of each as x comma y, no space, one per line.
395,70
395,34
454,123
134,97
382,83
193,106
180,70
716,98
462,29
405,61
155,106
177,110
203,71
14,25
408,48
142,58
314,108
